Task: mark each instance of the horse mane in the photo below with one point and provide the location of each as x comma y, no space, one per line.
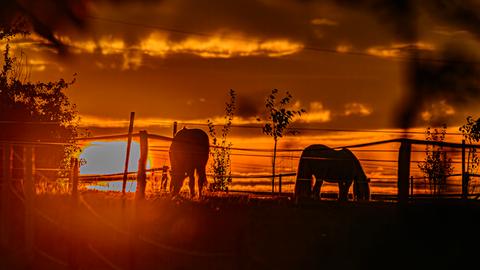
361,181
358,165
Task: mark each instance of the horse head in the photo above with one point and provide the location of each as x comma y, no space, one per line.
361,187
303,183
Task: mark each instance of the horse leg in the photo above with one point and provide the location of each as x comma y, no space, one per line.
202,180
163,183
342,191
348,184
316,188
191,183
176,184
356,191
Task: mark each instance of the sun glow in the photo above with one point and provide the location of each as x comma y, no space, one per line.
109,157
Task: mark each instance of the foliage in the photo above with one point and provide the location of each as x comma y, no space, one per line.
279,117
16,26
437,165
37,112
221,166
471,135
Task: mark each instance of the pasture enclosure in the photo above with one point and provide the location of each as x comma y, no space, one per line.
399,179
23,182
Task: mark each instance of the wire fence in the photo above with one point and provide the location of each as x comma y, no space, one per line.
250,163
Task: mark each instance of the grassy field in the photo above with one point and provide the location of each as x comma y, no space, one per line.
103,231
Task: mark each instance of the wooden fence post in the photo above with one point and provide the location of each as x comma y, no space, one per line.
142,166
279,183
74,239
29,184
139,198
127,156
74,178
464,174
175,128
6,184
404,170
411,186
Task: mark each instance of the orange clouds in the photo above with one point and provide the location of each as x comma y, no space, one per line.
437,111
157,44
316,113
398,50
356,108
324,21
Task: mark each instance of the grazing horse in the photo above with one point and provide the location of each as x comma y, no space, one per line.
189,152
333,166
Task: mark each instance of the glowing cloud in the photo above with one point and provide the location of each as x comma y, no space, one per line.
437,111
155,44
159,45
94,121
356,108
323,21
316,113
344,48
110,45
398,50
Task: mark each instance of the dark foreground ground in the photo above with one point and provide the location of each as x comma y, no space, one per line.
104,232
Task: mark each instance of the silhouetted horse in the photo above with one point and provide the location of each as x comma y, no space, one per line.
333,166
189,152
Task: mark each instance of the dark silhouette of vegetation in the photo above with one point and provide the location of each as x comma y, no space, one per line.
221,165
38,111
279,117
471,135
437,165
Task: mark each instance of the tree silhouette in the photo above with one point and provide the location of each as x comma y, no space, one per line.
222,174
471,135
437,166
278,119
36,112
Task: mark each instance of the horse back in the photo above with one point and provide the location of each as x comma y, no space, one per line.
327,163
357,166
189,148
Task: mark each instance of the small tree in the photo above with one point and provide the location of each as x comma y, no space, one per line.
437,165
471,135
221,166
36,111
279,117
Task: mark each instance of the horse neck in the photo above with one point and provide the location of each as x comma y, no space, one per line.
361,176
303,170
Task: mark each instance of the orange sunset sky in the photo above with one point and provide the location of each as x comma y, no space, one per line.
176,60
377,103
